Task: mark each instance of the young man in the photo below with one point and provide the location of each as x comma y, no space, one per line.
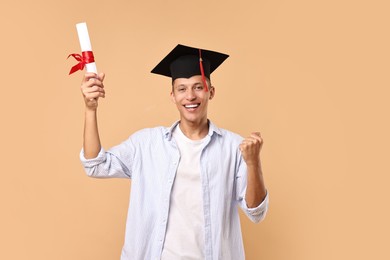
187,180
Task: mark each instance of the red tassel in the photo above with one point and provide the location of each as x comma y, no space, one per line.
202,71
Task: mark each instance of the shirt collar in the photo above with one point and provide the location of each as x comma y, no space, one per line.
212,129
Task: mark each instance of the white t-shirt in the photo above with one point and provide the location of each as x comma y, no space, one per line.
185,231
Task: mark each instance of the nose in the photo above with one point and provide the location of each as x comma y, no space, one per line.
190,94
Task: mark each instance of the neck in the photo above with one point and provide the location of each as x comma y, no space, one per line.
194,131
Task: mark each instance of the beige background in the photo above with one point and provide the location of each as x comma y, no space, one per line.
312,76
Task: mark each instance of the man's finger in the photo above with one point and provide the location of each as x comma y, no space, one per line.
257,136
88,76
252,139
102,76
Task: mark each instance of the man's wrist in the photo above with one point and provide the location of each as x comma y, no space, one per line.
89,110
254,164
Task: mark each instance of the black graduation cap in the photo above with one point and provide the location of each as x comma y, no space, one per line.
185,62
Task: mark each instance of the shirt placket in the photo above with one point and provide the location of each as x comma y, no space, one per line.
166,199
206,204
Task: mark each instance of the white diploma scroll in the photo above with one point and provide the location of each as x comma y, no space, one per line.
85,44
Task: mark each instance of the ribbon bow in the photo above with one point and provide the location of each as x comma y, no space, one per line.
86,58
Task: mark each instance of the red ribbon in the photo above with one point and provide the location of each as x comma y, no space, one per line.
202,71
86,58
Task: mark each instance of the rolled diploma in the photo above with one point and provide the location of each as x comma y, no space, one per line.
85,44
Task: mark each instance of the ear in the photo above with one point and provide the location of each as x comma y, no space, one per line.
173,97
212,92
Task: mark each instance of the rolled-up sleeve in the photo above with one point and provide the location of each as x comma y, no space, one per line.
258,213
114,163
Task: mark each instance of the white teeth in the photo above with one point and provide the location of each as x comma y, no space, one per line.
192,106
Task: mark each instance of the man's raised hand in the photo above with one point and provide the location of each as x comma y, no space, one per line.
250,148
92,88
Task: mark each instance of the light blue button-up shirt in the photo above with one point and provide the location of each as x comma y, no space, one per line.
150,159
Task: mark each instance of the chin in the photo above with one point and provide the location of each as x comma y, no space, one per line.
192,119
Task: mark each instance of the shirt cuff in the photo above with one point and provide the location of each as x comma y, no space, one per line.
258,213
101,157
263,204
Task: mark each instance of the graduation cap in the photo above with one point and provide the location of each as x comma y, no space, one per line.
185,62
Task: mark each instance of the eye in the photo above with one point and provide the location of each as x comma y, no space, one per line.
198,87
181,89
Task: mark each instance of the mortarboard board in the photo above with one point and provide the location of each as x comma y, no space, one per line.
185,62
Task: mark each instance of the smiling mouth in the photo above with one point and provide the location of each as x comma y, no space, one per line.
192,106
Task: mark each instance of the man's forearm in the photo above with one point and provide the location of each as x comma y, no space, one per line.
91,134
255,191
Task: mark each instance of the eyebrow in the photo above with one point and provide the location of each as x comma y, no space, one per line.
193,85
